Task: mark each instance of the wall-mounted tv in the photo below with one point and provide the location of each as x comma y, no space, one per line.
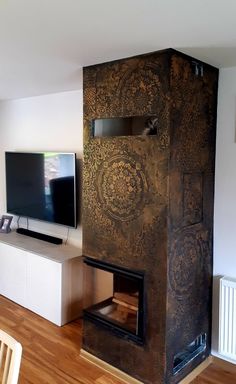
42,186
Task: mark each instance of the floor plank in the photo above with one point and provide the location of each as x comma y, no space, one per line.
51,354
216,375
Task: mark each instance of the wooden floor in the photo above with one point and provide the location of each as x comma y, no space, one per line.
215,374
51,353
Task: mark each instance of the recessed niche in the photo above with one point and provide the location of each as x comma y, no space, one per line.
125,126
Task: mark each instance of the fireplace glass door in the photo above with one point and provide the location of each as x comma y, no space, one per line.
122,309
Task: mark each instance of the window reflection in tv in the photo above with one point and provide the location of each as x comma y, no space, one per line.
125,126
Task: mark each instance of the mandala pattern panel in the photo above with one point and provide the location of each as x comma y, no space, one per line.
121,187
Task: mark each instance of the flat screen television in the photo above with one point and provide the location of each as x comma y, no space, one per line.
42,186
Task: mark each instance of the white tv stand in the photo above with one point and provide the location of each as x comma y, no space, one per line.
43,277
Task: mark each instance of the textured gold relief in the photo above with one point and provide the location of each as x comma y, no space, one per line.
139,90
89,92
192,198
186,266
193,134
148,202
110,168
134,87
87,132
121,186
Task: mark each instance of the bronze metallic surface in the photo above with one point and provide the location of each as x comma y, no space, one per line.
148,203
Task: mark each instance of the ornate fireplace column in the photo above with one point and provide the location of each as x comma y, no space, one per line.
148,205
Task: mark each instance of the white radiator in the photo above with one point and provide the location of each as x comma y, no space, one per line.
227,318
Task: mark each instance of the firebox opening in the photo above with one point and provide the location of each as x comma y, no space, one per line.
191,351
122,308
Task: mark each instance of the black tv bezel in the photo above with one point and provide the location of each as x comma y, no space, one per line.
75,189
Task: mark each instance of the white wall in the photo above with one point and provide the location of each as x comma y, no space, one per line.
225,189
44,123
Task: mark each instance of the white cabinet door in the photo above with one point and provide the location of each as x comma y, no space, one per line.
48,287
13,271
44,287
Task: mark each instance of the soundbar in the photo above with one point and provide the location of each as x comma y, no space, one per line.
39,236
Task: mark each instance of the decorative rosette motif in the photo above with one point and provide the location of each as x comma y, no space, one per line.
121,187
186,268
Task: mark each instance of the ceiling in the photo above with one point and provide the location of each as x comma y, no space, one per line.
45,43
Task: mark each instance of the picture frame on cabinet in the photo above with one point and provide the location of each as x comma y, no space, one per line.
5,223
